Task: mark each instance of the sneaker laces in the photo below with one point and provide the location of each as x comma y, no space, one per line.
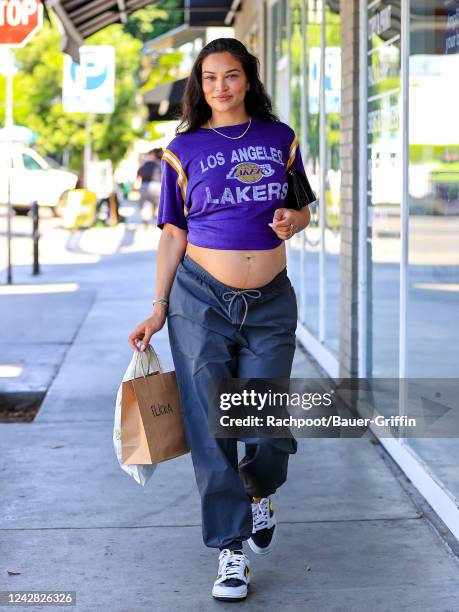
231,565
260,514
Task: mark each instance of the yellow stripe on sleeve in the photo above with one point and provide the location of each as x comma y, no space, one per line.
175,163
292,152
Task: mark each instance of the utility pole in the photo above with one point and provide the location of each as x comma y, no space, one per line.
9,153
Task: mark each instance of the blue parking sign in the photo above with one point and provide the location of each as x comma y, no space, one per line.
89,87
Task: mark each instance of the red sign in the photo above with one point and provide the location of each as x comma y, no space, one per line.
19,20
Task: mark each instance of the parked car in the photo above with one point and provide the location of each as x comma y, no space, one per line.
33,178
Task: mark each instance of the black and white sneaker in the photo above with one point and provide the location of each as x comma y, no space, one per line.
233,576
264,526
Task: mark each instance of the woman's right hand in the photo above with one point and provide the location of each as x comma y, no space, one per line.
142,333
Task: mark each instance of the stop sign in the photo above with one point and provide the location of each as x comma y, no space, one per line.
19,20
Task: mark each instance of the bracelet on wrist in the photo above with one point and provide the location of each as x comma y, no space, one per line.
162,301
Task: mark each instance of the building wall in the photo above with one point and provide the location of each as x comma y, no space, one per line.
250,28
349,156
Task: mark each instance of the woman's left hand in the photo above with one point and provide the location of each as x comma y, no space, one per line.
287,222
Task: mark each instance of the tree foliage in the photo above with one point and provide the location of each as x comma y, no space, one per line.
37,86
156,19
37,89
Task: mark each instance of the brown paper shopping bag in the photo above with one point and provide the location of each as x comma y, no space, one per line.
152,428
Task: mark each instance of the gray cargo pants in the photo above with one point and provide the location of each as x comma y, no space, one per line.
218,331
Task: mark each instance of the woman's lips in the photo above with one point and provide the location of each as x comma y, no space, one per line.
223,97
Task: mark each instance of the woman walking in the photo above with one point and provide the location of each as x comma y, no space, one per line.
223,286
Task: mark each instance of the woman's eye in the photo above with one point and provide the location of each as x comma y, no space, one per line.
230,76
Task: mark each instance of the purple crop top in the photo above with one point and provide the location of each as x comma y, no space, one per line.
224,192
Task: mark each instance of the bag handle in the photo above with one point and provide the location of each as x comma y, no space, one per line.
151,354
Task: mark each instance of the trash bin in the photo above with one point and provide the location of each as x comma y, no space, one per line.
79,208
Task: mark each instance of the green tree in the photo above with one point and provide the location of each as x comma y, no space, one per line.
37,90
156,19
37,87
114,133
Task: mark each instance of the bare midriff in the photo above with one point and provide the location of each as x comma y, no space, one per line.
240,268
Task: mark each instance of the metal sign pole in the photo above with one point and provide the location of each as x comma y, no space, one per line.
87,149
9,152
19,22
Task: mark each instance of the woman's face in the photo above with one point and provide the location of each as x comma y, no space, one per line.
224,82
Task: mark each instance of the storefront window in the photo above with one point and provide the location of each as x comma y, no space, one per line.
312,105
433,261
311,239
314,254
279,57
296,73
384,185
296,259
332,197
295,92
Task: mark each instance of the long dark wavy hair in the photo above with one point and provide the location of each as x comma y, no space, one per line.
196,111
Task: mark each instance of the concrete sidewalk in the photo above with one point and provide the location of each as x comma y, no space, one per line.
350,533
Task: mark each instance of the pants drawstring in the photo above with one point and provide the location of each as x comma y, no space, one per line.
229,296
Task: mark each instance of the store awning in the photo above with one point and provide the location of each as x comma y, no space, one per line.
164,102
81,18
172,39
